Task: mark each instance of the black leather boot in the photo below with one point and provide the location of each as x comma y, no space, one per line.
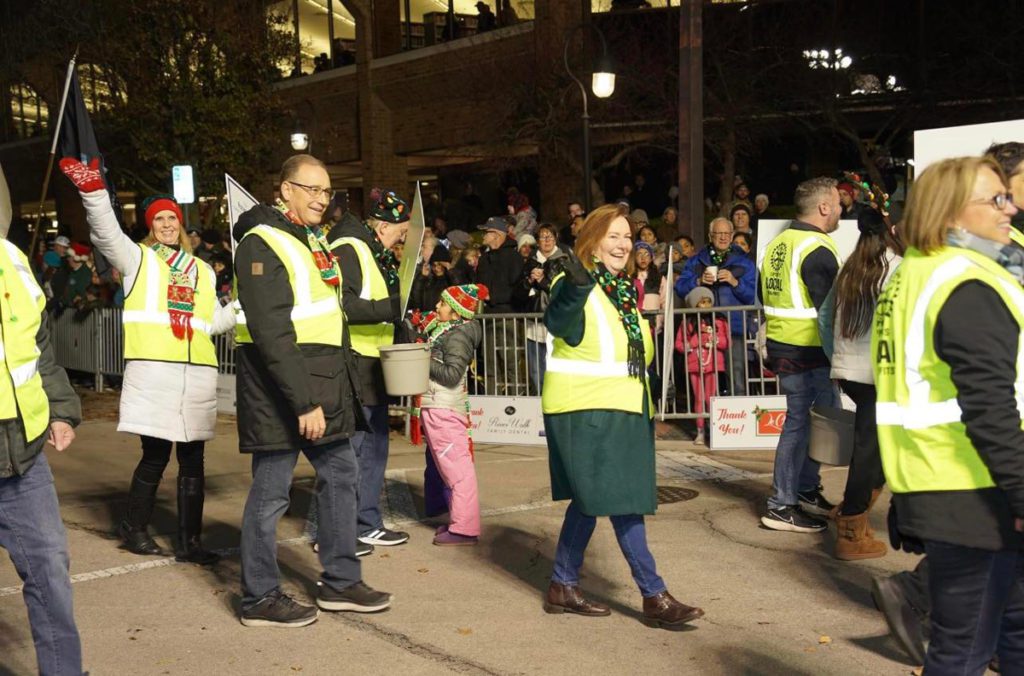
190,523
133,529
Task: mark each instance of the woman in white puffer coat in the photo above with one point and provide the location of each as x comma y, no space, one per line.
169,394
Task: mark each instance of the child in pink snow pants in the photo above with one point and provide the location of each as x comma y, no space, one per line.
704,339
444,408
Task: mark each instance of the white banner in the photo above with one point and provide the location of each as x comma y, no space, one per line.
6,213
747,423
239,201
507,420
410,265
932,145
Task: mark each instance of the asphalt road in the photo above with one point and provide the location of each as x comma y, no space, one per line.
776,603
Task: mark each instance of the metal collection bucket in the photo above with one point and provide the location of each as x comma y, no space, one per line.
406,368
831,441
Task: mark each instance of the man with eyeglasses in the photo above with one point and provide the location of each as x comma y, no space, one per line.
370,296
295,393
725,269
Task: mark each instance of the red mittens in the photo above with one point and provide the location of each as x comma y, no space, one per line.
86,178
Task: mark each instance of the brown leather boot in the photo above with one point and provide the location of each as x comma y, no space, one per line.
563,598
855,542
661,610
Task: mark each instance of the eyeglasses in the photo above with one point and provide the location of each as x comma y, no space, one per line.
315,191
998,201
544,238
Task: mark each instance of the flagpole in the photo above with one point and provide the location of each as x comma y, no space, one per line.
53,154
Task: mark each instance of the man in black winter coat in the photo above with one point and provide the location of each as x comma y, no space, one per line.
370,296
501,270
295,392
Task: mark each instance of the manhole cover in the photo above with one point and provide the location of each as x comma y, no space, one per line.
669,494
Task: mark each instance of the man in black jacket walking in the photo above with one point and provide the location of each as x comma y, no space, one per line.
501,271
295,392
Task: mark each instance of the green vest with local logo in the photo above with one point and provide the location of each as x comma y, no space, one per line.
147,324
21,309
924,445
316,312
790,314
367,339
595,373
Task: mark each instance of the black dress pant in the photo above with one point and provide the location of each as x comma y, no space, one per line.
866,465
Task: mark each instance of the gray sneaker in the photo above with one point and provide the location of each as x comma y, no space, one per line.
277,609
358,598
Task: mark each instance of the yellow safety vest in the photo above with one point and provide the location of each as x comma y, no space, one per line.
316,314
1017,236
147,324
595,374
21,307
923,443
368,338
790,314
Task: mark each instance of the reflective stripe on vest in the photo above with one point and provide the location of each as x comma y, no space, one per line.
1017,236
316,313
21,306
595,374
792,317
924,444
368,338
147,322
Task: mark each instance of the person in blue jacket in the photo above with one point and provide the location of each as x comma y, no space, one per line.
732,277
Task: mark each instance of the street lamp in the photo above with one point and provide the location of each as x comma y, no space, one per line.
603,85
300,141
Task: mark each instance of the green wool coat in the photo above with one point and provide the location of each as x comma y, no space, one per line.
601,459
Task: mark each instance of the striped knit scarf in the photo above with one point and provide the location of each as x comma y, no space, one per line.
318,246
181,288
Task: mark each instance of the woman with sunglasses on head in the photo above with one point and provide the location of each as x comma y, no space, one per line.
169,394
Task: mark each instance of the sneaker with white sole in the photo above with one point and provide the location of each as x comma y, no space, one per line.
361,549
359,598
277,609
792,519
813,502
384,537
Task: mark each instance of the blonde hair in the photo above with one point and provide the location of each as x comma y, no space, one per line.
938,197
593,230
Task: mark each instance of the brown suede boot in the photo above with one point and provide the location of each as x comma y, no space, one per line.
563,598
854,542
662,610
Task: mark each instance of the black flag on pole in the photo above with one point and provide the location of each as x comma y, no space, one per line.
78,140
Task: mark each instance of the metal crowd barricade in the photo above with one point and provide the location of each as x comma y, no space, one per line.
509,361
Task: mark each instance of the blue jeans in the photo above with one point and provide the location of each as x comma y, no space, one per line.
336,474
33,535
536,360
632,536
795,472
372,457
977,610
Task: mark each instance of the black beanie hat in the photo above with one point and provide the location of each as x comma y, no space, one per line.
441,255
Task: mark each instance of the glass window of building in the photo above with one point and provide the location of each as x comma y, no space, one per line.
28,113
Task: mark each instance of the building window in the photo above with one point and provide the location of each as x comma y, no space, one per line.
101,89
29,113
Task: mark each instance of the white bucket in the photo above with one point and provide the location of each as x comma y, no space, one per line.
406,368
831,441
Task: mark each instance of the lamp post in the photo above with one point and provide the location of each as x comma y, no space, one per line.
602,84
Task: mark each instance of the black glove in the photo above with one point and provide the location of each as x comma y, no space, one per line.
898,540
574,271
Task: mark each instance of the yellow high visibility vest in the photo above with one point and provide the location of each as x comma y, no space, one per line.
924,445
368,338
21,306
316,314
147,324
595,373
790,314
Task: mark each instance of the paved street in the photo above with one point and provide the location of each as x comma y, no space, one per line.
776,603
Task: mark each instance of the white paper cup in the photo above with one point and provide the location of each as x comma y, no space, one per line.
713,269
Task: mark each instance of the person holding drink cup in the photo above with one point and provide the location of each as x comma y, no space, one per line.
726,270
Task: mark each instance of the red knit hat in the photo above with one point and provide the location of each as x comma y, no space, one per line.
847,188
158,203
465,299
80,252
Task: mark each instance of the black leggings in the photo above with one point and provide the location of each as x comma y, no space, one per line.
156,453
866,465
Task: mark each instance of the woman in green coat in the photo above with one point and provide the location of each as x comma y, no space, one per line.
598,417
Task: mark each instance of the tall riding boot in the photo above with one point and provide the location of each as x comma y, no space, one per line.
133,529
190,523
854,542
